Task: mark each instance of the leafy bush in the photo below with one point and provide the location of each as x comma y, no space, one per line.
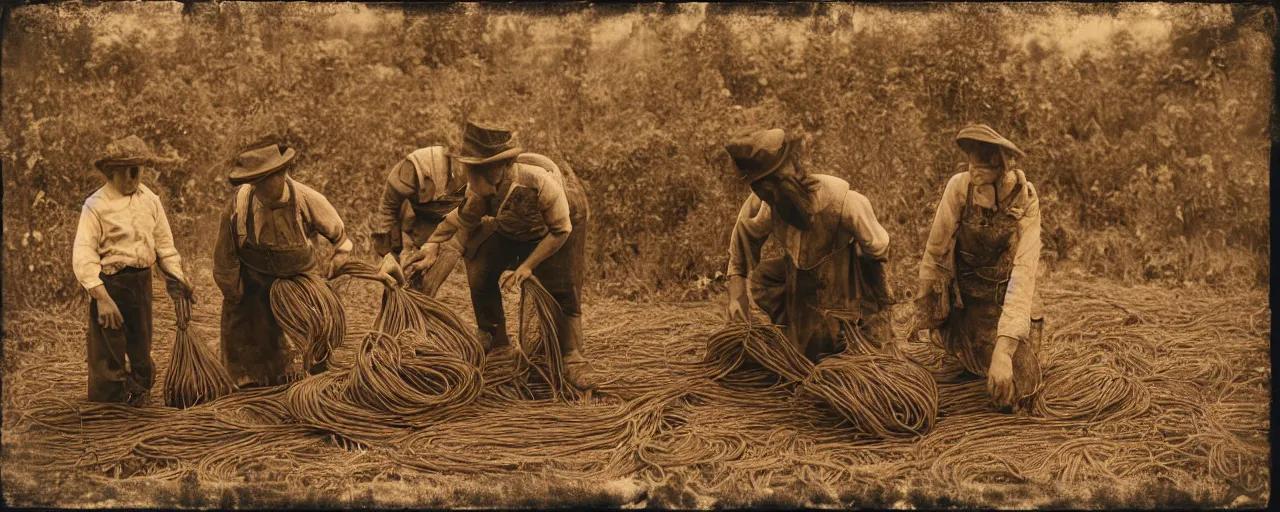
1151,159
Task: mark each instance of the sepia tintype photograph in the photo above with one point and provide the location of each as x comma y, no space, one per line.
676,256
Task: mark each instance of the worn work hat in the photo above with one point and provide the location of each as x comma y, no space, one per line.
130,150
984,133
482,145
259,163
760,154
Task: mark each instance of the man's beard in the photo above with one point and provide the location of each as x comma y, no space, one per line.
795,204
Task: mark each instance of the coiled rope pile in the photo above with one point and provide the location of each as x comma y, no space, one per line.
1143,385
310,315
879,392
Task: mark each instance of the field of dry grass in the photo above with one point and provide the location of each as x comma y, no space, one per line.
1201,443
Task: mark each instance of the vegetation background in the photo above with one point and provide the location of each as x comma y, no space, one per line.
1146,125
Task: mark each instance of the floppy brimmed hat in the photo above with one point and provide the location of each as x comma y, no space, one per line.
259,163
760,154
984,133
130,150
483,144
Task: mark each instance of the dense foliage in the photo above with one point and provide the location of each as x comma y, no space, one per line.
1151,157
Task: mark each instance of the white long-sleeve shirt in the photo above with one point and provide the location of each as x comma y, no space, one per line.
118,231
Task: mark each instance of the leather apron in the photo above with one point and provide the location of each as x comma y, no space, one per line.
254,347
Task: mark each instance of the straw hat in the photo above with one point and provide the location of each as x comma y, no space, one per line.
984,133
130,150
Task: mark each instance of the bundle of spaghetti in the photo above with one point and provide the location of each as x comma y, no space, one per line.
1091,390
409,310
764,344
879,390
575,437
310,315
415,391
195,374
540,352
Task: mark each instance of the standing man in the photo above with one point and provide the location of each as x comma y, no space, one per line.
123,231
537,227
420,191
822,226
265,234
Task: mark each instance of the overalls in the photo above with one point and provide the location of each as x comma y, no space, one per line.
985,242
254,347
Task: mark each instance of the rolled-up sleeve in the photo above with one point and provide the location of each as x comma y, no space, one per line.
401,184
86,262
325,219
945,221
461,221
554,206
1016,316
750,232
860,219
166,253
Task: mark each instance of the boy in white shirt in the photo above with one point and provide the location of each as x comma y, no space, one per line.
123,231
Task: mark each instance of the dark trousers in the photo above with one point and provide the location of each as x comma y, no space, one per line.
561,274
111,350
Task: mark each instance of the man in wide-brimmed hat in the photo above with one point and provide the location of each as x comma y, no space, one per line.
265,234
978,293
537,227
834,249
421,189
123,231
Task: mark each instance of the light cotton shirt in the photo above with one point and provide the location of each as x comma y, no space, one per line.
938,262
118,231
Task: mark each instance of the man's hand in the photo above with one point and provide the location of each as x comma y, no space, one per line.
1000,380
337,262
913,335
391,271
430,252
511,281
408,256
109,315
737,313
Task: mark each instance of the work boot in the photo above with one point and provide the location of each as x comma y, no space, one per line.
579,373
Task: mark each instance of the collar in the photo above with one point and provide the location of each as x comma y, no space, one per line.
109,191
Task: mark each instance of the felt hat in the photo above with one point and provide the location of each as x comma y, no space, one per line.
759,154
130,150
984,133
483,144
259,163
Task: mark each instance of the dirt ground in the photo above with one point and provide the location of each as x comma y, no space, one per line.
44,354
